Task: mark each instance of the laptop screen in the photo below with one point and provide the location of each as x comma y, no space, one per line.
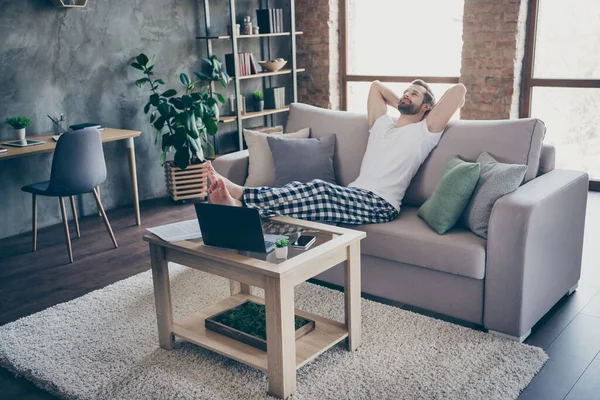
231,227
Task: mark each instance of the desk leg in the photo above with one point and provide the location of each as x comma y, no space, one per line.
134,185
34,206
239,287
162,296
352,296
281,338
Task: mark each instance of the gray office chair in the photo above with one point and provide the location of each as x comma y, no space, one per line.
77,167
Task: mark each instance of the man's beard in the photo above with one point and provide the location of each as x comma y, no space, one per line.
408,108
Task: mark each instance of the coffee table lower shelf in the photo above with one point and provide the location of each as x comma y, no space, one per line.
191,328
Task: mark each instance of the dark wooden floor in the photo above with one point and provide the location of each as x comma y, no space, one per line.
31,282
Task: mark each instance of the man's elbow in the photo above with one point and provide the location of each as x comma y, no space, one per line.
374,89
461,88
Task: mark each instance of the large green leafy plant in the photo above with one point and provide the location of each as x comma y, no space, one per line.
184,123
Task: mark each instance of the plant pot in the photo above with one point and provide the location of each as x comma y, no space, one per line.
189,183
281,252
20,134
259,105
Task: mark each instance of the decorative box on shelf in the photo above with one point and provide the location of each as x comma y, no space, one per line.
184,184
69,3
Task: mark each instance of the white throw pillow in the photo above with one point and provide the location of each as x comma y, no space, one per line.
261,170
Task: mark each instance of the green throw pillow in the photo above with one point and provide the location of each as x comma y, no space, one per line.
450,198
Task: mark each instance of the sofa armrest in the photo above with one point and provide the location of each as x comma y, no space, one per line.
233,166
535,241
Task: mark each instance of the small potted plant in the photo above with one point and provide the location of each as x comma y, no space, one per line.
281,247
19,123
259,100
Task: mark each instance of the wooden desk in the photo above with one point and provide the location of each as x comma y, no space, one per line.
108,135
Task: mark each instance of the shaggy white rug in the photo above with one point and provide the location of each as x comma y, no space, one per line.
104,345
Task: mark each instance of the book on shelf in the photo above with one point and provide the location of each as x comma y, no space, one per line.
246,64
264,20
279,12
281,98
274,98
270,20
253,64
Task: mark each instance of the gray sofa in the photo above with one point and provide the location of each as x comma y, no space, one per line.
532,257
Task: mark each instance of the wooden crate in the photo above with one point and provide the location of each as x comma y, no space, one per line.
184,184
211,324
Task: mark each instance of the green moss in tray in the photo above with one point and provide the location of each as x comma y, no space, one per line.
250,318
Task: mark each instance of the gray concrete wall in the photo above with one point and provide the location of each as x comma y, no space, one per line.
76,62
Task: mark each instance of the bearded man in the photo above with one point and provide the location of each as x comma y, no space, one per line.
395,151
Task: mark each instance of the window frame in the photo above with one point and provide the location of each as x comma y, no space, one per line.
345,77
529,81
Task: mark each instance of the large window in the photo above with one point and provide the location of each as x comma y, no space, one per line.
562,79
397,41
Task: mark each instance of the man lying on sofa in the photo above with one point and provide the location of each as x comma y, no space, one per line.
395,151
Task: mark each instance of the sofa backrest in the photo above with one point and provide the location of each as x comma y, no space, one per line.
351,135
516,141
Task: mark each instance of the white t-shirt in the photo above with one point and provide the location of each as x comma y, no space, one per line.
393,157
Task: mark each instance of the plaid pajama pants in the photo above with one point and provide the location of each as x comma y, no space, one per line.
318,200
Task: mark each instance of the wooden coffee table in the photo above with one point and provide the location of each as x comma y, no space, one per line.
278,278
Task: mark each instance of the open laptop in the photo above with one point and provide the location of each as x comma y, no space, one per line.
231,227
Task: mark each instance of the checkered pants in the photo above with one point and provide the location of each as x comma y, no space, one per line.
318,200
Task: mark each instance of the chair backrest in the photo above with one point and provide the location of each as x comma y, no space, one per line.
78,164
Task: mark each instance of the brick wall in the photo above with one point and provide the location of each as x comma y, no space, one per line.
318,52
492,55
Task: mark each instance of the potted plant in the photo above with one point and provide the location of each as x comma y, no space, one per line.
281,247
259,102
19,123
184,123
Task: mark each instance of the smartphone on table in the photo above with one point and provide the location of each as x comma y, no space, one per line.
303,242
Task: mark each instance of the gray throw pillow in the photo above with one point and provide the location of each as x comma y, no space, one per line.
302,159
496,180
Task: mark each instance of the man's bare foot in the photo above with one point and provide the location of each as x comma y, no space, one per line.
218,194
236,191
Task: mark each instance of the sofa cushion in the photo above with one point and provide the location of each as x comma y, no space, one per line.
517,141
302,160
496,180
261,171
547,159
351,135
450,198
409,240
